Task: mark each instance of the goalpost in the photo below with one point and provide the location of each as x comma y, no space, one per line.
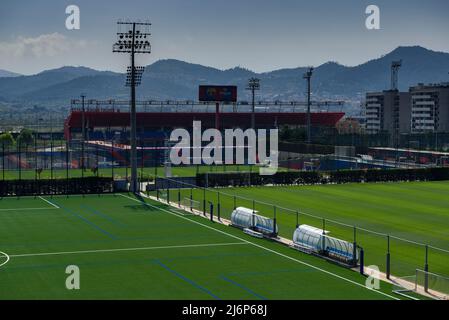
424,283
405,285
162,195
433,284
189,205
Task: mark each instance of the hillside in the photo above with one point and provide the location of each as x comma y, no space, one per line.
173,79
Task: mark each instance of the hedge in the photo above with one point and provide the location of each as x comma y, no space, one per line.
315,177
88,185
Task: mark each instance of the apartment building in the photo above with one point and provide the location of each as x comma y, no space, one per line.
387,111
374,112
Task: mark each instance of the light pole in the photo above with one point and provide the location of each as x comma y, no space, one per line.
308,77
133,40
436,138
83,133
253,86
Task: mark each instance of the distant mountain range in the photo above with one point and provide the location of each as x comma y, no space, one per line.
5,74
173,79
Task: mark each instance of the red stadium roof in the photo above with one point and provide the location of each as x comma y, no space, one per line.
149,120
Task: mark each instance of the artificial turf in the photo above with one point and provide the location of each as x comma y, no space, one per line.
129,250
121,172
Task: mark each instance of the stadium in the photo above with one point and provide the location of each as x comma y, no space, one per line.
277,198
234,233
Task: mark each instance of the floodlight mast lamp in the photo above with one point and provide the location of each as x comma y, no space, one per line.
133,41
138,72
308,77
253,86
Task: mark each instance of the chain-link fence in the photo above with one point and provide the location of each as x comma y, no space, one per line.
392,255
55,159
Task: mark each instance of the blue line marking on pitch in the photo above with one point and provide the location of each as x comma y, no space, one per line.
87,221
187,279
243,287
111,220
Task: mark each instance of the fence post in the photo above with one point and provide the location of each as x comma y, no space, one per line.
204,201
168,194
211,206
426,269
3,161
191,199
362,261
274,222
235,202
51,160
388,258
297,219
112,163
155,170
354,248
66,169
179,198
147,188
19,163
323,244
218,207
416,279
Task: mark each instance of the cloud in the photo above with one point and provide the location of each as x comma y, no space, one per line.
45,45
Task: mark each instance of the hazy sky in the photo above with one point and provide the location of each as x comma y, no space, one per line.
261,35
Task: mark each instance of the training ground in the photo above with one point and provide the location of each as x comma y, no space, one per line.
137,248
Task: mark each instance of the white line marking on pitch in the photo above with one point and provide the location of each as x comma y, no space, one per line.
180,213
26,209
7,258
50,203
407,296
73,195
264,248
127,249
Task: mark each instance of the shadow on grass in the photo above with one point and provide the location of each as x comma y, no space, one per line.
141,207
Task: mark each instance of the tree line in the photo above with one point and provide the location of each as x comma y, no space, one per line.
25,138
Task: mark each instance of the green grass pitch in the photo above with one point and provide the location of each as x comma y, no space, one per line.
177,171
129,250
417,211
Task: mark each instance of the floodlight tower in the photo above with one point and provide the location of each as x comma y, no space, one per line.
133,40
395,66
308,77
253,86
